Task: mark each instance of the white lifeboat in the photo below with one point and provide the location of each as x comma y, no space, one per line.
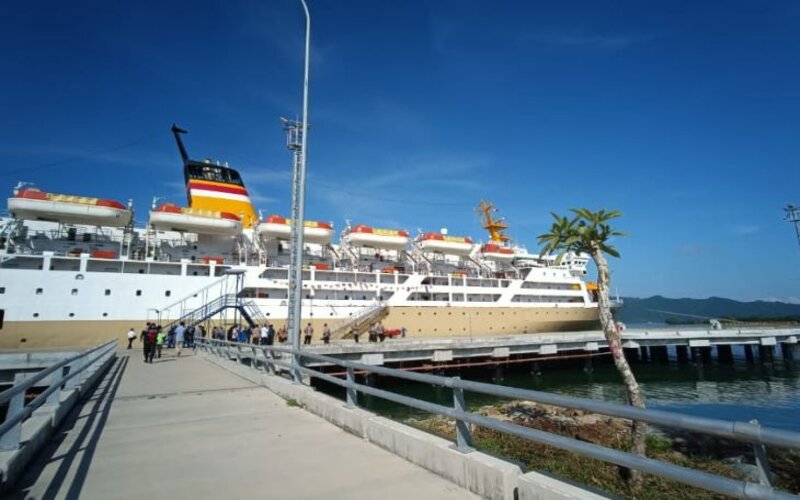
448,245
280,228
373,237
171,217
35,204
492,251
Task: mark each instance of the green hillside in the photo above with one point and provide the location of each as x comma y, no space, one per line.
659,309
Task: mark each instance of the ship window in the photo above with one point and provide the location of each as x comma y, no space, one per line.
105,314
35,315
2,289
74,291
39,291
167,293
108,291
138,293
71,315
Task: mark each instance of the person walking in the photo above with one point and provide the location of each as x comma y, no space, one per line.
380,331
354,332
326,334
373,335
180,333
160,337
150,343
282,336
270,335
309,332
263,334
131,337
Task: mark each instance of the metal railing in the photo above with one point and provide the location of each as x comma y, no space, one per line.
65,375
272,359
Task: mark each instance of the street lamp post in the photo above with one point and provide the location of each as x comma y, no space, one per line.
298,219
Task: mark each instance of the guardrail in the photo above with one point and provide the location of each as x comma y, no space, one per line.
272,360
65,375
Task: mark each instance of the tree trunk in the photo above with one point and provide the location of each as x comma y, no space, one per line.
635,396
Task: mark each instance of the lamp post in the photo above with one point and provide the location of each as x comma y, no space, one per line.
298,220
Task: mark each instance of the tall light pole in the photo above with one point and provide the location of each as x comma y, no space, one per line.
298,219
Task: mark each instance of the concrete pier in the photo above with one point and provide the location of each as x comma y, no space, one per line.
748,354
184,428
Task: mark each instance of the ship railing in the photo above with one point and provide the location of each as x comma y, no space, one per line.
280,361
70,375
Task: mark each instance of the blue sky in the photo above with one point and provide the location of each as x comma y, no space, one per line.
683,115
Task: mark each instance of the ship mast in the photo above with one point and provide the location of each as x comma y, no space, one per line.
496,227
177,131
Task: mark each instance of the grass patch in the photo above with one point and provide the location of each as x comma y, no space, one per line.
293,403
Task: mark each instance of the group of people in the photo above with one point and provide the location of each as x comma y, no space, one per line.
153,337
257,334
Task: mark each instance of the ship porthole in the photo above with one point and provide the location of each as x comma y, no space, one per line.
78,276
35,315
71,315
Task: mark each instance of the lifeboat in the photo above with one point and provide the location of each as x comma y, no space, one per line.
373,237
280,228
171,217
35,204
492,251
441,243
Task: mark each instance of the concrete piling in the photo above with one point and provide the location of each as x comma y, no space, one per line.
645,354
766,353
787,350
682,353
748,354
725,354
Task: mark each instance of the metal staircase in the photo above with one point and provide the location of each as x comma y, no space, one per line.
360,321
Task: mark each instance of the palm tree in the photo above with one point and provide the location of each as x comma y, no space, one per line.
589,232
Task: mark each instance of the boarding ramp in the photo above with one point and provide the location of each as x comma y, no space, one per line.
360,321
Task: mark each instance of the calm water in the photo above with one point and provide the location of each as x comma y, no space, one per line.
769,392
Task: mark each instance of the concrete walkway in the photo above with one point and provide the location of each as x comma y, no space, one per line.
184,428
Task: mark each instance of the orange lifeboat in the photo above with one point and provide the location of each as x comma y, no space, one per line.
35,204
280,228
442,243
492,251
171,217
373,237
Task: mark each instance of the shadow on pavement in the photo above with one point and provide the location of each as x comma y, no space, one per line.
84,445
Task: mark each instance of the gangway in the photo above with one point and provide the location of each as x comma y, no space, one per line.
360,321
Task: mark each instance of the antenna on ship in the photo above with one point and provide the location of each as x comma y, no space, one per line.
793,216
496,227
177,131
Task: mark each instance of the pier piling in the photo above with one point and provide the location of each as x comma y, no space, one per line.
697,357
787,350
748,354
705,352
588,367
682,353
659,354
645,354
725,354
766,353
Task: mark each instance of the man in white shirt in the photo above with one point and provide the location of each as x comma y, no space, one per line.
131,338
264,334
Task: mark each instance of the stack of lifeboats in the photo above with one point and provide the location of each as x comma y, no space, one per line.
170,217
35,204
442,243
275,227
373,237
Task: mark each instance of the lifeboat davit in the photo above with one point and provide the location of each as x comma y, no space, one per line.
171,217
441,243
373,237
35,204
280,228
492,251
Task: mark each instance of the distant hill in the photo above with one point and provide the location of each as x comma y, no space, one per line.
659,309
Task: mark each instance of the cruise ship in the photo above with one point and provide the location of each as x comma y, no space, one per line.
76,270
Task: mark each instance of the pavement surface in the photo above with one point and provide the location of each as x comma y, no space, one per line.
184,428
